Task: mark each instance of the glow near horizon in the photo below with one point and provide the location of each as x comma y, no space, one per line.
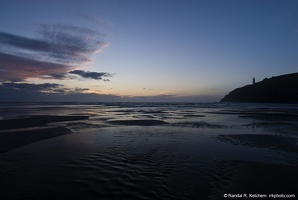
180,48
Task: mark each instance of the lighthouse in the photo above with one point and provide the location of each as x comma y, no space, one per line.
253,80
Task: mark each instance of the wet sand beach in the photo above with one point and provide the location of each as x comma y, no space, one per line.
147,151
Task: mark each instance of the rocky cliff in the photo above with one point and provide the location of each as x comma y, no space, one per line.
279,89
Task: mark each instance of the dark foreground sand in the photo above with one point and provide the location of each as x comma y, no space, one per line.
260,178
264,178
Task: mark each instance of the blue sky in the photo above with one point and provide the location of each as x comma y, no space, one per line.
129,50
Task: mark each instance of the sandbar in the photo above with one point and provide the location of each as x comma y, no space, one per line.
14,139
36,121
15,133
137,122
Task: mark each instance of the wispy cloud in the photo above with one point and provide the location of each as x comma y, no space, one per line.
59,49
71,43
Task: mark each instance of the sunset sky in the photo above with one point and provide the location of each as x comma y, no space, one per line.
142,50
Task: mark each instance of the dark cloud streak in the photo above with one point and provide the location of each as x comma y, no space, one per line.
24,42
31,86
49,92
91,75
81,74
16,68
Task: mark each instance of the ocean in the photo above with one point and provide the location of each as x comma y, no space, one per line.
147,150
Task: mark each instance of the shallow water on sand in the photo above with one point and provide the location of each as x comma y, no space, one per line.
192,153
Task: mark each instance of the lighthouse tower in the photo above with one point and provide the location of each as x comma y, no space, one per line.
253,80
